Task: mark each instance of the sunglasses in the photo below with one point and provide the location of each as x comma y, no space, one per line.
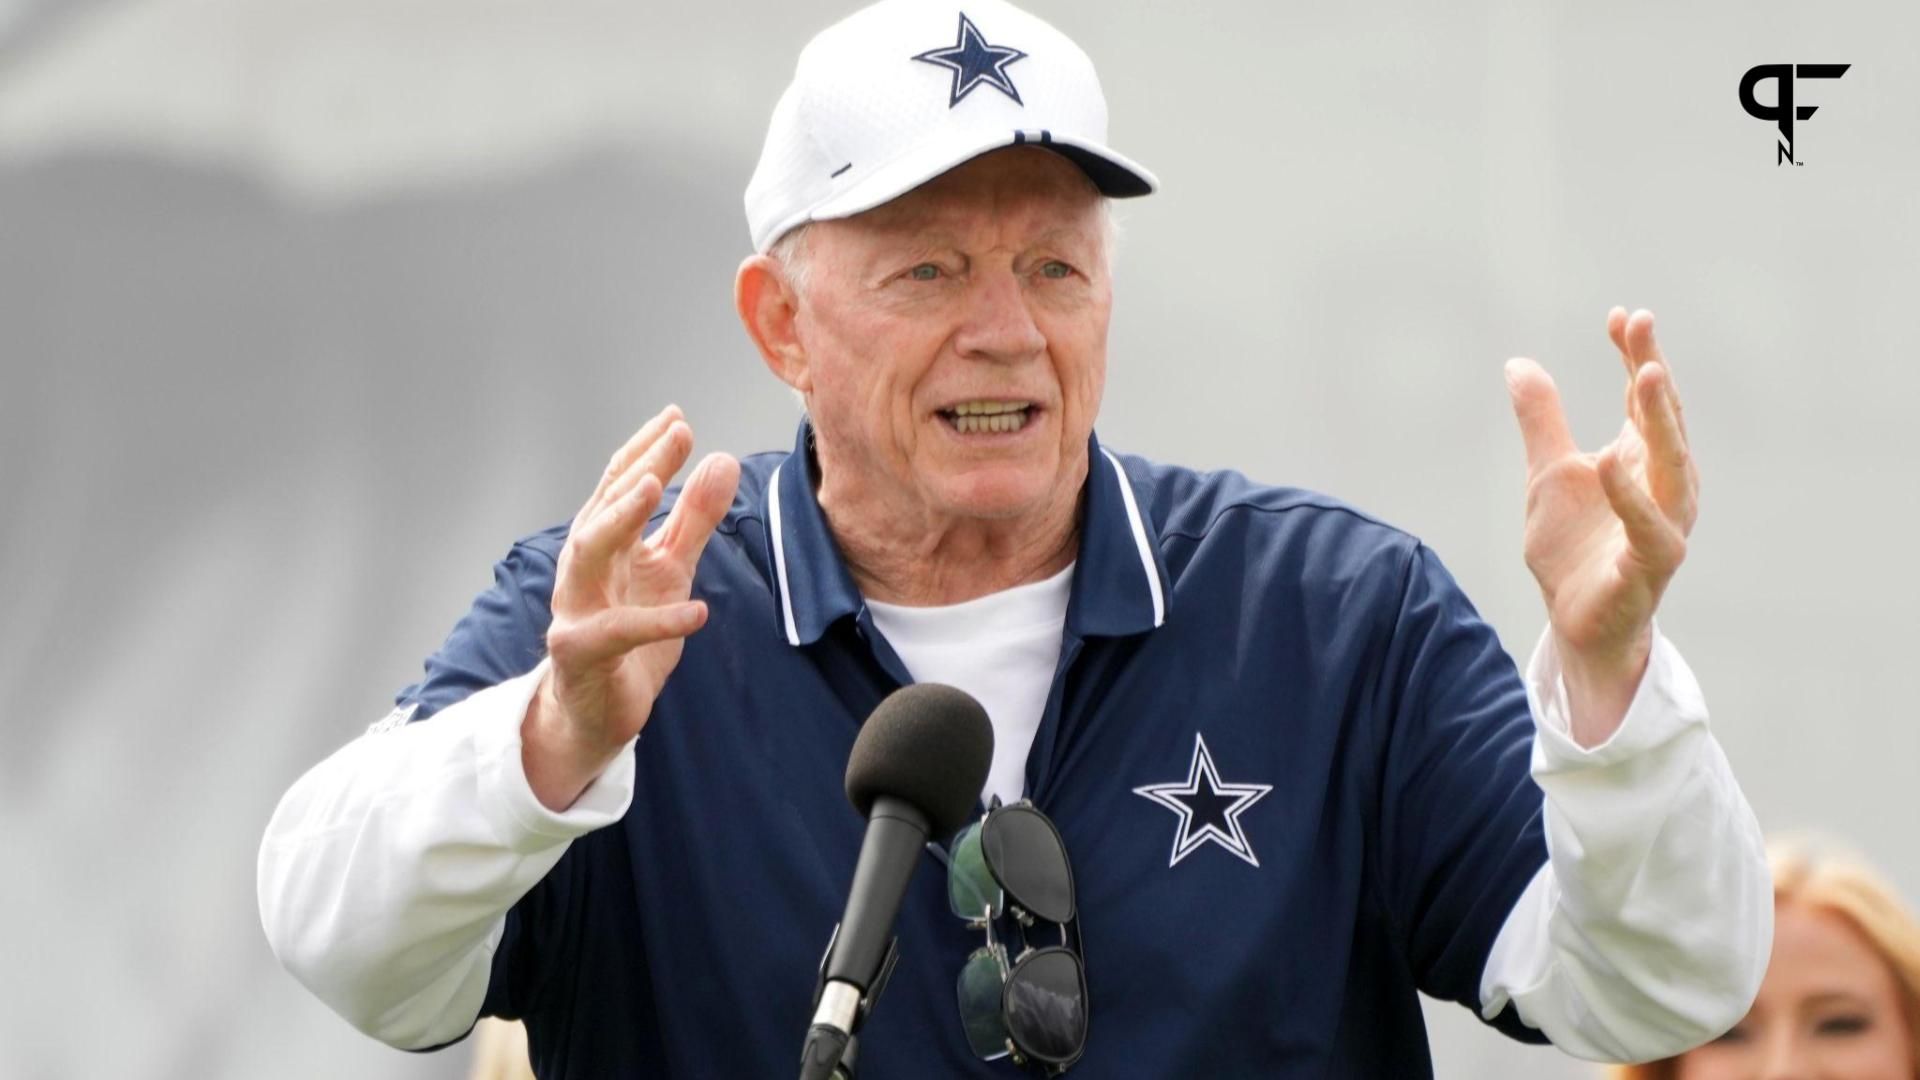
1032,1004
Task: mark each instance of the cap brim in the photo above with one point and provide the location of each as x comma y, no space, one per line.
1114,174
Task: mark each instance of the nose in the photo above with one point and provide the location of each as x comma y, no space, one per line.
999,324
1785,1056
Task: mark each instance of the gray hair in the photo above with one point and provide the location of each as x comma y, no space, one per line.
790,251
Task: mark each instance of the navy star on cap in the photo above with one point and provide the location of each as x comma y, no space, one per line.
974,62
864,121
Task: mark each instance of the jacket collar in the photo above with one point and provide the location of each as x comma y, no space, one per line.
1119,585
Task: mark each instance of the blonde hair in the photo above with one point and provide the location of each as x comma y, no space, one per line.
1813,873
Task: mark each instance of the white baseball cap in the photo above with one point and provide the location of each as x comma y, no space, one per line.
898,93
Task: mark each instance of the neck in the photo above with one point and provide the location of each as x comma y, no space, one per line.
924,559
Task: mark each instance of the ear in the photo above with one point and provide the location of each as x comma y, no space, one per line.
769,308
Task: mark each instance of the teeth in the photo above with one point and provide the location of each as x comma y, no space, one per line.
977,424
987,408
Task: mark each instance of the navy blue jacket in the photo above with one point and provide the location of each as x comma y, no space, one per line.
1277,931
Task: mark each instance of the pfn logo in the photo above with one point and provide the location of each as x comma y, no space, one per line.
1782,111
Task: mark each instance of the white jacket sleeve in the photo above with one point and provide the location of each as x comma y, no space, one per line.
1648,931
387,870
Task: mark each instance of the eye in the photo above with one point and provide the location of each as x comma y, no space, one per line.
924,272
1056,269
1735,1034
1843,1025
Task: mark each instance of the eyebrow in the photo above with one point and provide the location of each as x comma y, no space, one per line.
1068,237
925,240
1836,997
908,247
904,243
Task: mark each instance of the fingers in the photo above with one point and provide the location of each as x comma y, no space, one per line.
608,523
1536,404
616,631
1617,330
1670,472
613,528
1655,541
1641,348
636,444
1638,348
660,460
1655,409
702,504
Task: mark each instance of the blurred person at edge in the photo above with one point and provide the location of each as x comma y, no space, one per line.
500,1051
1841,999
1297,776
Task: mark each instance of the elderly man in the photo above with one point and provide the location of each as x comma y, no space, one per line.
1288,763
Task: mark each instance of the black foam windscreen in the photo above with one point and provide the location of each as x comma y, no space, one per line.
928,745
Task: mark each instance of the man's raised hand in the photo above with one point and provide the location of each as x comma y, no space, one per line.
621,606
1605,531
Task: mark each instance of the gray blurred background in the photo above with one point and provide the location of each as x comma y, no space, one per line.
308,308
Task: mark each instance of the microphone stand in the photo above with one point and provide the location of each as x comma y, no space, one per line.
832,1049
848,1060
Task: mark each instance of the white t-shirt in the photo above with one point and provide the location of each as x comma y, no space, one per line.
1001,648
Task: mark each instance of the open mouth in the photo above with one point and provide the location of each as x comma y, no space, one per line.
988,417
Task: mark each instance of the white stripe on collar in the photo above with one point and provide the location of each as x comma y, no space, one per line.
780,553
1139,539
1126,497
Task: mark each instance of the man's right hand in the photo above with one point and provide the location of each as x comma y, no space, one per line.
621,607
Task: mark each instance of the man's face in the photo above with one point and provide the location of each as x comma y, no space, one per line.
956,340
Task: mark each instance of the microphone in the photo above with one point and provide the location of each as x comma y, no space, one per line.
916,771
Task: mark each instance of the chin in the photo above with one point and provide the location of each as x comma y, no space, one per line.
997,494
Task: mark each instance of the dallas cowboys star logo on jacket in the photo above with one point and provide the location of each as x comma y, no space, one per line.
974,62
1209,808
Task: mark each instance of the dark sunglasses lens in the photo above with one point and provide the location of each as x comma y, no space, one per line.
1046,1006
971,890
980,989
1025,853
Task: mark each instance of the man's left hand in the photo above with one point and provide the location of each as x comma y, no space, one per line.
1606,530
